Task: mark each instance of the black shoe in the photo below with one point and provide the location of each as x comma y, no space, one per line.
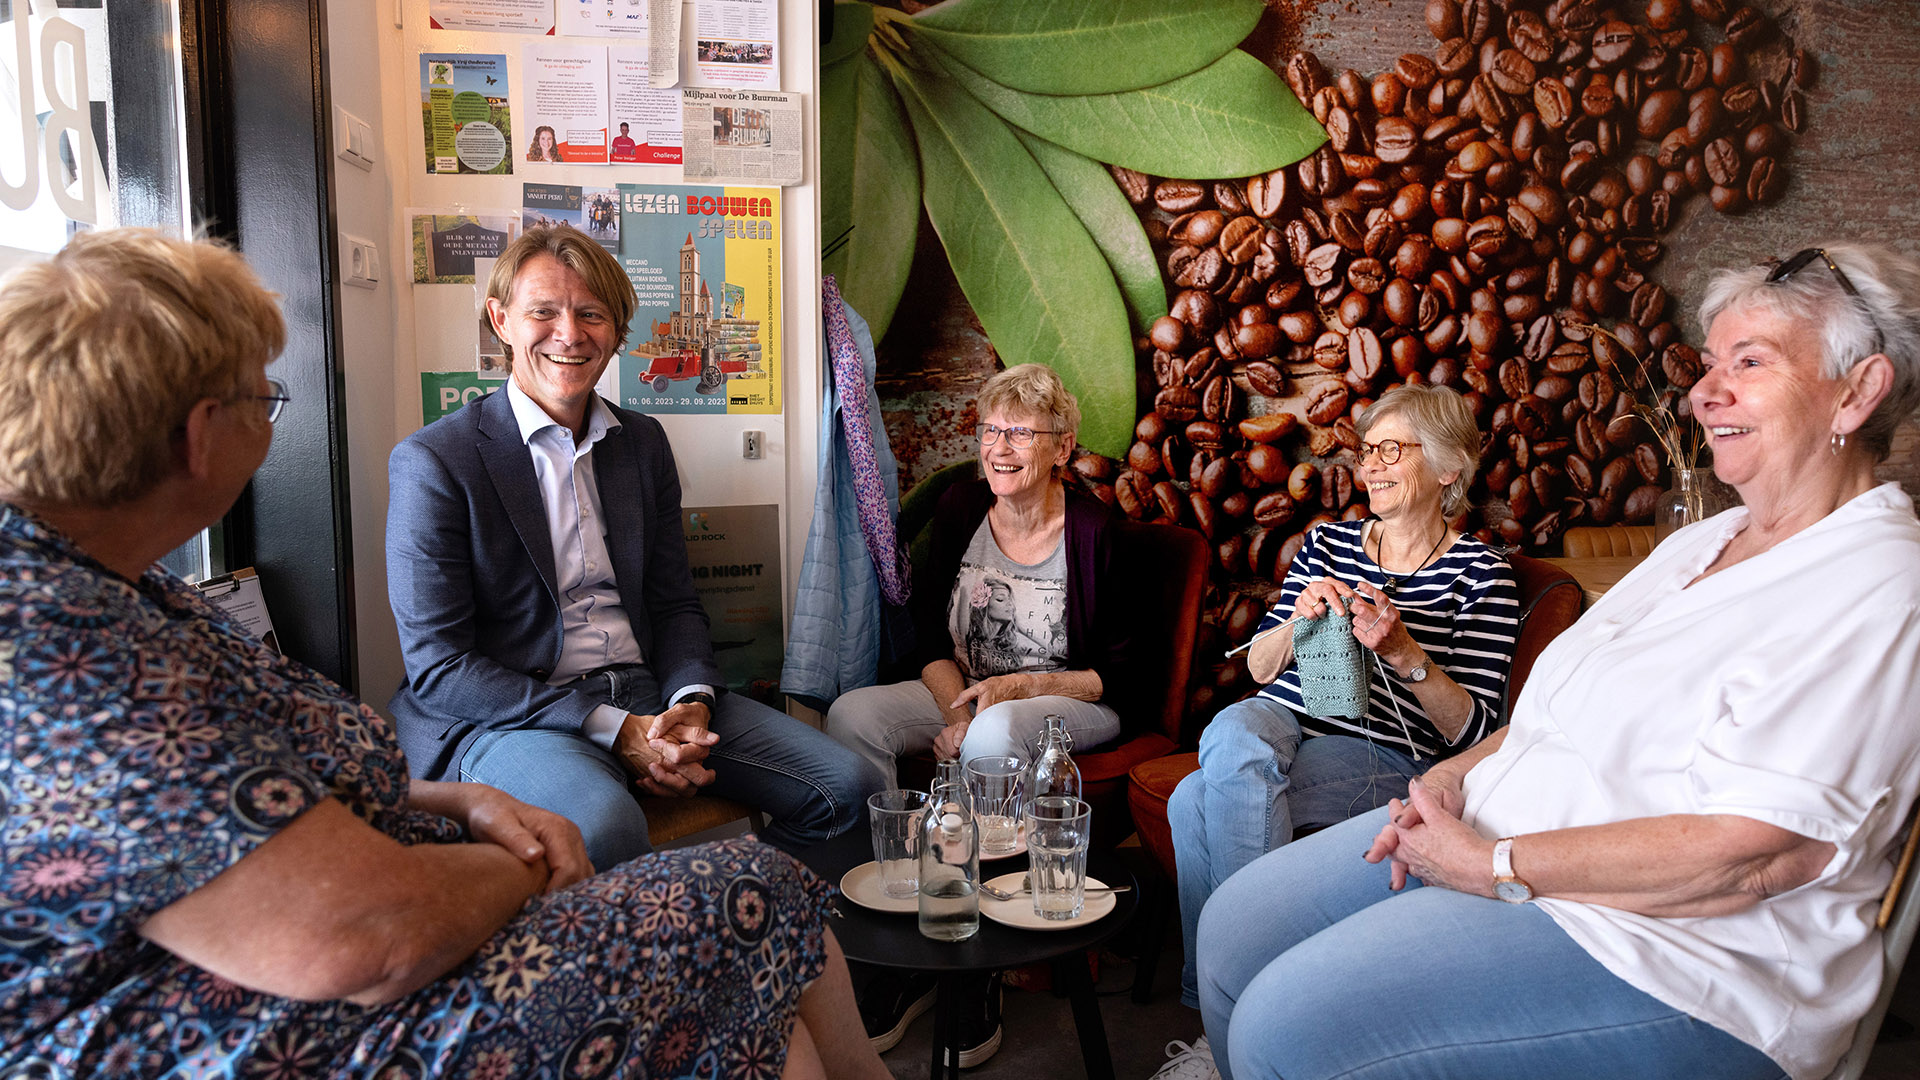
980,1020
889,1004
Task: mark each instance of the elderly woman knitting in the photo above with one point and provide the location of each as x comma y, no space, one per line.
1668,864
1437,612
215,863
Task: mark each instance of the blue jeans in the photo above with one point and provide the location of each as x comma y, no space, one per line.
810,787
1258,782
1311,967
884,723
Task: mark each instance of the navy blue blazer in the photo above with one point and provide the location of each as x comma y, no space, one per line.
471,577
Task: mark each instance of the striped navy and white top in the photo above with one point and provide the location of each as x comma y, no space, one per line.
1464,610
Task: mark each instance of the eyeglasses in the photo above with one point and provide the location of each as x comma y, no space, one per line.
1388,449
276,401
988,434
1782,270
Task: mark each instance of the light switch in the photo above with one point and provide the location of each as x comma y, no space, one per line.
353,139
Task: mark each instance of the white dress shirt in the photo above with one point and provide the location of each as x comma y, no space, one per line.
594,627
1785,688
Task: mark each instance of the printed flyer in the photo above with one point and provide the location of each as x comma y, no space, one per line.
463,108
446,245
507,16
566,102
605,18
647,121
705,266
593,210
733,553
734,43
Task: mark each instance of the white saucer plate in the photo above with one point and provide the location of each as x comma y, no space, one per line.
862,886
1018,912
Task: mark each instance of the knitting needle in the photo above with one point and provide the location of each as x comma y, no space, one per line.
1231,653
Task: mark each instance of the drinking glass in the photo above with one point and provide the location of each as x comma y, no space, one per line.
895,816
998,784
1057,832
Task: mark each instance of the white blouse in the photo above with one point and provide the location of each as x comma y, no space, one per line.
1785,689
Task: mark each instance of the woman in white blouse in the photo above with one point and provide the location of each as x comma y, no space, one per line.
1690,815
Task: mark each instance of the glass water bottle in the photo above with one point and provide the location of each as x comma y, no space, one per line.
1053,771
949,866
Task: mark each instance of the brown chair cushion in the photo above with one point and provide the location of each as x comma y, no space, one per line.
670,819
1608,541
1550,601
1152,785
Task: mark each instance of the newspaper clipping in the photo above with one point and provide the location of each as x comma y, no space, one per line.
740,136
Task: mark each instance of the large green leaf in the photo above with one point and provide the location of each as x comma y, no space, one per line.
1026,264
852,22
1233,117
1087,46
1094,197
870,183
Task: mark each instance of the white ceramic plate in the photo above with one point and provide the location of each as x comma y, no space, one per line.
862,886
1018,912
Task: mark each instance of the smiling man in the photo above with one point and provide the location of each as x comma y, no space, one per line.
555,647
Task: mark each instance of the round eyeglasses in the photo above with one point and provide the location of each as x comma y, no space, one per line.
988,434
1388,449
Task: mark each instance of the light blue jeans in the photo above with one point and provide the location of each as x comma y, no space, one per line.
1311,968
810,787
1258,782
883,723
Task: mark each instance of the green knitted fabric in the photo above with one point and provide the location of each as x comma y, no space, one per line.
1332,666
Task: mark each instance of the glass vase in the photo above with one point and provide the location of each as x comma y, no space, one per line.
1696,495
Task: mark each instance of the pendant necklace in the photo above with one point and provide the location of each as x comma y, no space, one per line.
1379,558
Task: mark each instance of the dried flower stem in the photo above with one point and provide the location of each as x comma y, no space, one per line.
1680,437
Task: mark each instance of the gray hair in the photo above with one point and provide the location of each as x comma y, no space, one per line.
1034,389
1886,310
1442,422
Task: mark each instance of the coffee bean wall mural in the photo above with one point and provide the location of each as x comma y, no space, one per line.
1510,199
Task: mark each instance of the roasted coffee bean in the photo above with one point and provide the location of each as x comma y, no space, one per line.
1516,380
1647,460
1137,187
1240,239
1590,438
1513,72
1219,398
1131,493
1364,354
1271,427
1553,102
1681,363
1327,404
1323,264
1179,196
1274,509
1232,554
1151,429
1172,501
1554,389
1200,367
1765,181
1300,327
1618,477
1205,271
1531,416
1305,76
1268,465
1230,197
1167,333
1266,379
1336,487
1640,505
1330,351
1303,482
1596,391
1267,194
1802,68
1178,404
1144,458
1094,468
1198,310
1713,11
1747,28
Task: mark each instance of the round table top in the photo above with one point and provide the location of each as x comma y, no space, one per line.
895,941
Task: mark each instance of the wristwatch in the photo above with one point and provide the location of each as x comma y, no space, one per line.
1505,885
700,696
1418,673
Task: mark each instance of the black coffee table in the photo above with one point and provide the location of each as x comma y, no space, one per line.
894,941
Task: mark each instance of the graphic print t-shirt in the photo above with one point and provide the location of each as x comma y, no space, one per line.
1005,616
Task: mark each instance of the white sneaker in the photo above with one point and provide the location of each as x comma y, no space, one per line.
1188,1062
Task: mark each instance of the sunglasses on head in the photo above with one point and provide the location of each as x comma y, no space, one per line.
1793,264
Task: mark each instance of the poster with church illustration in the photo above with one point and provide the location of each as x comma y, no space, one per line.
705,266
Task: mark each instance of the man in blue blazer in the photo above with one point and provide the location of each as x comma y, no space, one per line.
554,644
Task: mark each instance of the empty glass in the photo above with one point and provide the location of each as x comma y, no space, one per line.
1057,833
998,784
895,816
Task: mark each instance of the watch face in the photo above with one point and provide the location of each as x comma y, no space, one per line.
1418,674
1513,892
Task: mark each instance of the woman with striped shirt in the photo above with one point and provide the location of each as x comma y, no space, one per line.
1438,613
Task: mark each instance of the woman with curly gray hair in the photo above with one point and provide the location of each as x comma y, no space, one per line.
1439,611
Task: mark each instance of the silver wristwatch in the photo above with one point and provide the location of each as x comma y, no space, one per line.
1419,671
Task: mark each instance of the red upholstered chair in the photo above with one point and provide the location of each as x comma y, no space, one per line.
1549,603
1164,568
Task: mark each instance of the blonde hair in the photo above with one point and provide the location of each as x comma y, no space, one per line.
1035,390
106,347
1442,423
600,270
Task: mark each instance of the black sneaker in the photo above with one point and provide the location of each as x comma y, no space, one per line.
980,1020
889,1004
